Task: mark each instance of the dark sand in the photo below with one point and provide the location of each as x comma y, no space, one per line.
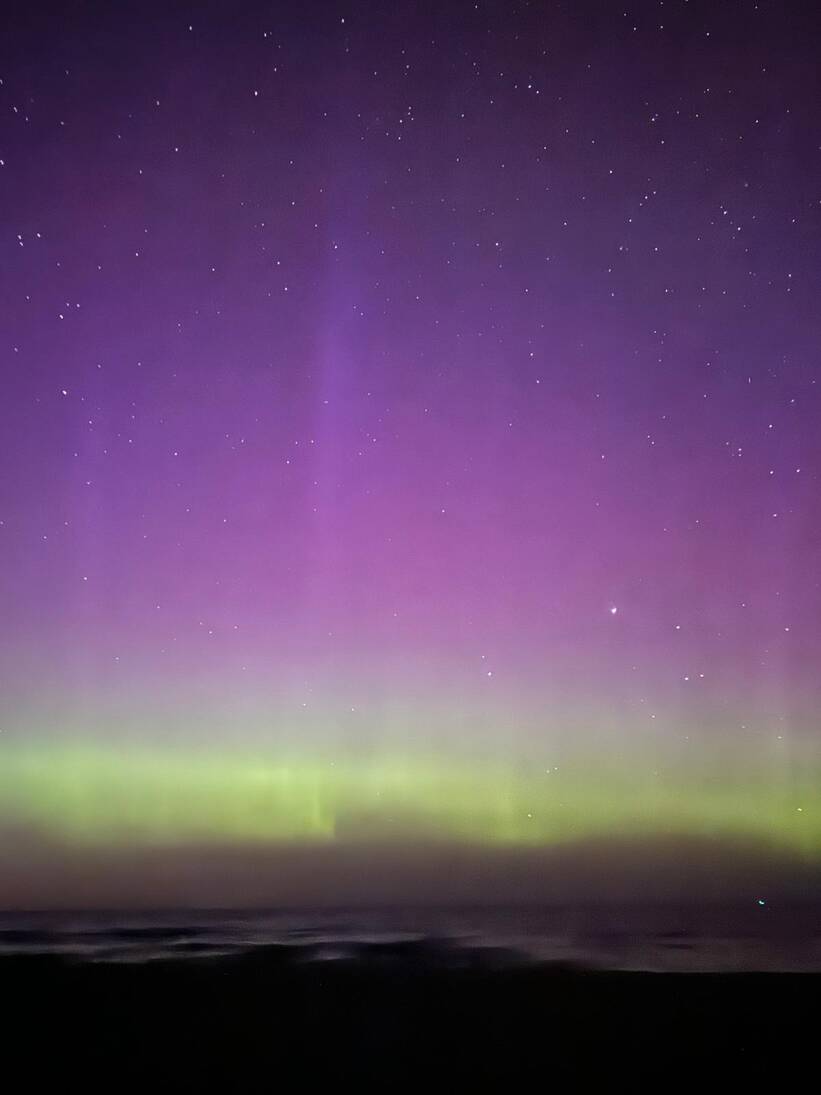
394,1016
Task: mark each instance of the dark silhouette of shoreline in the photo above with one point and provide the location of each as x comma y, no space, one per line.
393,1014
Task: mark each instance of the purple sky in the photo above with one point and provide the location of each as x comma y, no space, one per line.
454,357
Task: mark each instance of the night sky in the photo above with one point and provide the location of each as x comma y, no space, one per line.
409,433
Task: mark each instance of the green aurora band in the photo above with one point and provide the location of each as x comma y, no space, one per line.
152,796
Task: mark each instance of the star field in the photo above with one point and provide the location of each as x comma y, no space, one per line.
410,411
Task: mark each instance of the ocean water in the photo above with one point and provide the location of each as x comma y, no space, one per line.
755,936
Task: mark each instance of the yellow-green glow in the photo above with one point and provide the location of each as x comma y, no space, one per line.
93,795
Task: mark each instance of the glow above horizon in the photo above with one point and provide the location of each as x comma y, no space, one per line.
410,455
89,795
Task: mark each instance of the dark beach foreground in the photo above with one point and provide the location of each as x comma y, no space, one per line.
394,1014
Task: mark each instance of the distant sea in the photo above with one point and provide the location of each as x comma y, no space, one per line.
748,937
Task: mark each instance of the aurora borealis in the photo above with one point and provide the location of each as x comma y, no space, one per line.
409,430
100,796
